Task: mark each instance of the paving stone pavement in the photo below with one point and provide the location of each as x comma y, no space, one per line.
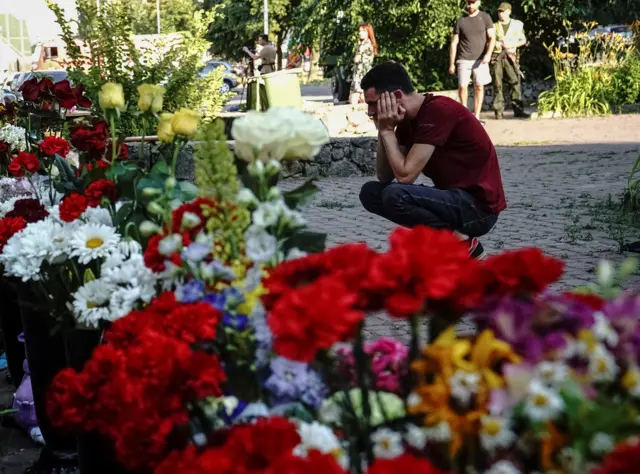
547,189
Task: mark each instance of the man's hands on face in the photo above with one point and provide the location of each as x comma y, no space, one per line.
390,113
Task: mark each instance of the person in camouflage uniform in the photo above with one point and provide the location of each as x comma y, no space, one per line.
504,62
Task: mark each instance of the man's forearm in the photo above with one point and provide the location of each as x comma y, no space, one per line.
395,156
492,46
452,53
383,170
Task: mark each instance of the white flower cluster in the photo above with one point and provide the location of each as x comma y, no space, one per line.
14,136
260,243
125,284
280,132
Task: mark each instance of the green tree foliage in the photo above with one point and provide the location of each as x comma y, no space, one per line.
171,61
175,15
413,32
241,21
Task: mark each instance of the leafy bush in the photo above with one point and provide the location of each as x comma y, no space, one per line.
600,76
173,61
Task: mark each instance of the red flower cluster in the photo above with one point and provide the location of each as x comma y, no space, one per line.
4,147
265,447
624,459
153,259
24,162
91,138
74,205
8,227
51,146
44,92
404,463
99,189
31,210
318,300
135,388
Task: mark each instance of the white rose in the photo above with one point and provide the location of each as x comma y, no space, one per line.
309,133
259,138
260,246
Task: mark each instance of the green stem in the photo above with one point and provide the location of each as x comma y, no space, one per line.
174,160
50,184
114,142
362,371
141,157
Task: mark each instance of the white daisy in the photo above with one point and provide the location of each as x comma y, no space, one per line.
503,467
170,244
91,303
495,432
129,247
603,331
25,251
97,215
321,438
601,444
7,206
123,301
387,444
552,374
542,403
463,386
602,365
440,433
416,437
93,241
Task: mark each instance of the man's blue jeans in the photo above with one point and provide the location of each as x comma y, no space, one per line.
413,204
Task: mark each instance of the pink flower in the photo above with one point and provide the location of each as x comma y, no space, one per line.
388,358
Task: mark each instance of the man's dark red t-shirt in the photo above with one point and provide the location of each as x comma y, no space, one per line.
464,157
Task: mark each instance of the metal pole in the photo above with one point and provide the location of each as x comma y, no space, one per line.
266,17
158,14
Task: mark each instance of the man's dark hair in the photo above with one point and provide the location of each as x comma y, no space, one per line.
387,77
265,37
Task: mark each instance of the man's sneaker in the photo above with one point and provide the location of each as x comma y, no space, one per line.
499,115
476,250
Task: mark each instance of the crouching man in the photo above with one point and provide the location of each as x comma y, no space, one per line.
440,138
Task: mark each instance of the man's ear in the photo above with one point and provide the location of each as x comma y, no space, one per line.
398,94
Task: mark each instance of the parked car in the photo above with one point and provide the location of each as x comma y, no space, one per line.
230,78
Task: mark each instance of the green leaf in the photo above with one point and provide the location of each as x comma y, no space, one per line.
311,242
188,190
160,168
123,213
88,276
67,173
300,195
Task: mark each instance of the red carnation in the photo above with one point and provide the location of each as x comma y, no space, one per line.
407,463
624,459
194,207
314,462
91,138
99,189
30,209
8,227
189,461
594,302
313,318
423,264
30,90
524,271
55,146
65,94
124,152
72,207
156,261
24,162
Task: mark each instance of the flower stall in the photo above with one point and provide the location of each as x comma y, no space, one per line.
178,327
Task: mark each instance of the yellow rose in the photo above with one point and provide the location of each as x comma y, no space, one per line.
111,96
185,122
151,97
165,131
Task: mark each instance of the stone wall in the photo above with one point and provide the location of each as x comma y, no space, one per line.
340,157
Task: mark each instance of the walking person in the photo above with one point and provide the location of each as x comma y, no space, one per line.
509,37
366,50
472,43
267,55
440,138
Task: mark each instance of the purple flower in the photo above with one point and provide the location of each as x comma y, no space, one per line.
217,270
238,322
262,335
291,381
226,300
190,292
196,252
